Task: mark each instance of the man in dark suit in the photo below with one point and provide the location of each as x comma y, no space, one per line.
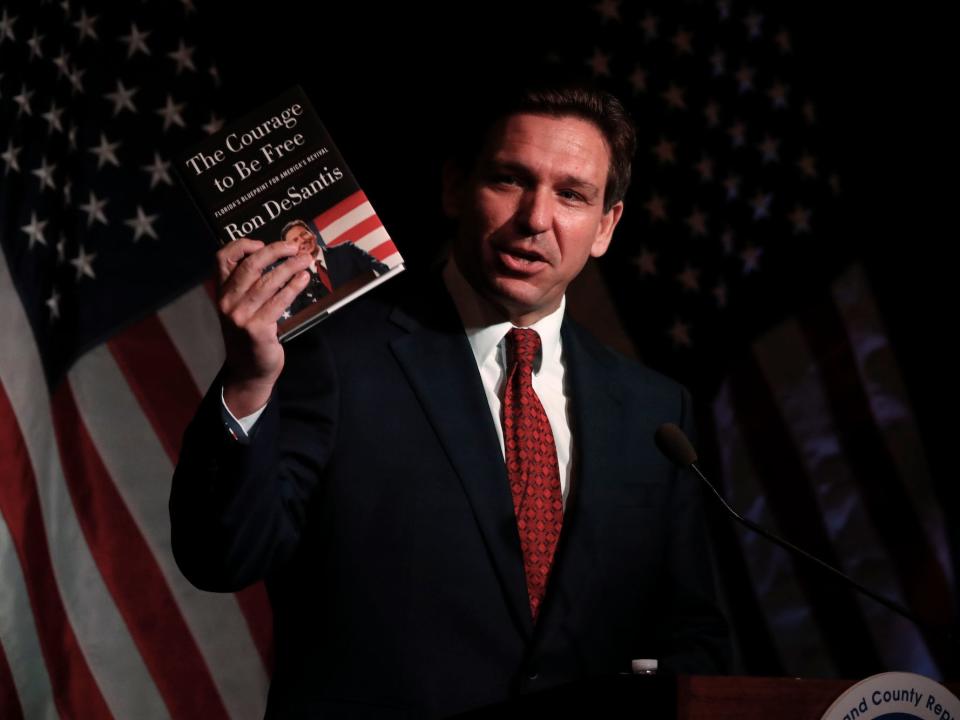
450,488
331,267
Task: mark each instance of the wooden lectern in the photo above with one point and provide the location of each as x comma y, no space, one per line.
684,697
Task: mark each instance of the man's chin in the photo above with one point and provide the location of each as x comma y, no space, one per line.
517,298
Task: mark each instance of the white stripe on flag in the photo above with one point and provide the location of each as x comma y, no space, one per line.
372,239
392,260
890,405
798,392
142,472
101,632
192,324
793,629
18,635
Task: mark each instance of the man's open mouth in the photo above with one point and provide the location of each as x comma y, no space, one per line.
519,261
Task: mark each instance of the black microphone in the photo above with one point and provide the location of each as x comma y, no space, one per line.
675,445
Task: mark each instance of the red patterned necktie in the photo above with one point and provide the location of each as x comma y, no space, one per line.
324,276
532,468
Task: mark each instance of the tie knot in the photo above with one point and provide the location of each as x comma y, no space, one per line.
523,345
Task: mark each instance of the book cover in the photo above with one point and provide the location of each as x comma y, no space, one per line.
275,174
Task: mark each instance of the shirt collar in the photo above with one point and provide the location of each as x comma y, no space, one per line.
484,326
320,257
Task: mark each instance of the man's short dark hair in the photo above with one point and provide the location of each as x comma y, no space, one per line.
555,97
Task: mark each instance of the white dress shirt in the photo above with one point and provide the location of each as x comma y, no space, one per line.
486,331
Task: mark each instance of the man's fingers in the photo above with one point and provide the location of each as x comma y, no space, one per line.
251,269
270,311
231,254
242,307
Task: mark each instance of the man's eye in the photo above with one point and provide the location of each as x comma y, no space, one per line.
506,179
571,195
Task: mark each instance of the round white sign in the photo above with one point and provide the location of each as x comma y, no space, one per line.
895,696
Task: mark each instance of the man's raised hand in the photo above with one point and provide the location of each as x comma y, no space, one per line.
249,302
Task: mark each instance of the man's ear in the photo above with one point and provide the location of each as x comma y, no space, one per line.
452,178
605,232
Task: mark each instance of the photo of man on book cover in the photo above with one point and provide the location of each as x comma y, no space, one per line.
333,267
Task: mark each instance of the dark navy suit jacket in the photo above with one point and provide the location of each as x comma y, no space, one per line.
375,504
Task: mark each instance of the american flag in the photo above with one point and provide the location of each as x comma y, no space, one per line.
736,270
96,383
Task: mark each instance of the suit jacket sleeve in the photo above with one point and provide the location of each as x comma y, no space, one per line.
237,510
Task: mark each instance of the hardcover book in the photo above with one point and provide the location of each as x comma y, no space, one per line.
275,174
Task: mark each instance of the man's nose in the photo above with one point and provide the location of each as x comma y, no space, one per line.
535,212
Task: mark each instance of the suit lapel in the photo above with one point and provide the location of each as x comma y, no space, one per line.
437,359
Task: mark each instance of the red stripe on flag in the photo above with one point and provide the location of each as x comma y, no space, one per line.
147,605
10,707
339,210
75,690
163,386
158,378
255,605
384,250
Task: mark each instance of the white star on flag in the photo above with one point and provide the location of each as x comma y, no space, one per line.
761,205
34,44
62,61
76,79
34,230
646,262
23,100
680,334
83,262
171,114
106,152
697,222
664,150
6,27
751,259
656,206
52,116
9,156
608,10
53,302
159,171
214,125
183,57
689,279
142,225
85,26
599,63
683,42
45,173
673,96
94,210
122,98
136,41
